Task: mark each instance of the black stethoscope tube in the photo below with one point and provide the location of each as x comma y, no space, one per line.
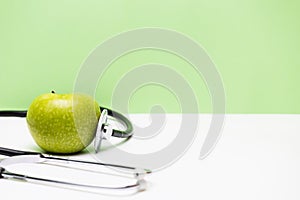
116,133
13,113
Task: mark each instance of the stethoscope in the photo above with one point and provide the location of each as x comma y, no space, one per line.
104,131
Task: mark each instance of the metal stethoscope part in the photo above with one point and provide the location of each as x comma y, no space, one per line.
105,130
23,157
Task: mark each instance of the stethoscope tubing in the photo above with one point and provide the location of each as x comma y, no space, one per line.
116,133
9,175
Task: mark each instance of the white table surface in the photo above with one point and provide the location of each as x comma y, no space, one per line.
257,157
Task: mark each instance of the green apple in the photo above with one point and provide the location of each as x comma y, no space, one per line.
63,123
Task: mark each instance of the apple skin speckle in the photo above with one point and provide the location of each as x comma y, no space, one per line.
63,123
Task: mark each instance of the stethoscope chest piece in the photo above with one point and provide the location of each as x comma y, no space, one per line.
104,130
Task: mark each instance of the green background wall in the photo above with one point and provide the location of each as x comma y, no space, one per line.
255,45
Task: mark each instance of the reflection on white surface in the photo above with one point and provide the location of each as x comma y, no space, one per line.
258,157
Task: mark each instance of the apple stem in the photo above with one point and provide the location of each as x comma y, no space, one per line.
53,92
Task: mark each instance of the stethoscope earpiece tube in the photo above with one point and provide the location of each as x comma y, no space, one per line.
13,113
13,152
23,157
